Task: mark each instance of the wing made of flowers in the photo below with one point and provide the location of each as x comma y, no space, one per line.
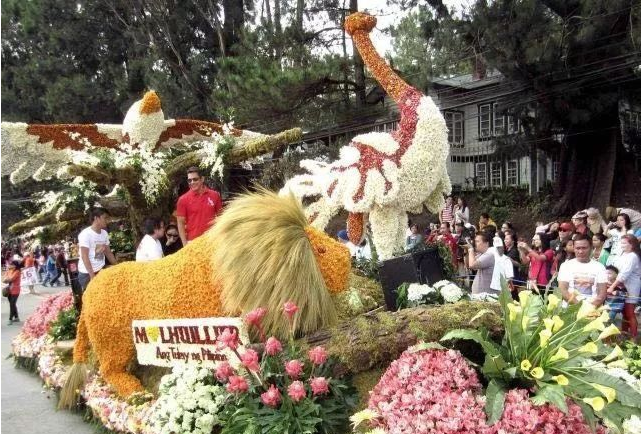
179,131
38,151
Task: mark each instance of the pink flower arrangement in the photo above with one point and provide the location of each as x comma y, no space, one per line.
294,368
224,371
289,308
250,360
272,397
273,346
317,355
228,339
255,317
320,386
521,416
237,384
39,322
296,391
437,392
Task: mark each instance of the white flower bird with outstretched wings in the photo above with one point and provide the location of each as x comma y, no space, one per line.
39,150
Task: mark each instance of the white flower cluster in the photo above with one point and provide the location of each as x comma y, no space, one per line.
632,425
153,179
416,292
49,201
389,188
189,402
450,291
210,150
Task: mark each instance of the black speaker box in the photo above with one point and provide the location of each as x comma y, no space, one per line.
420,267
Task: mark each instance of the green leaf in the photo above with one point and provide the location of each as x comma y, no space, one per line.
494,401
489,347
511,372
553,394
482,313
494,366
588,414
617,413
505,297
422,346
626,394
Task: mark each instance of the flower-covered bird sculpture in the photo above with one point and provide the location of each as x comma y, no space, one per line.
40,149
384,175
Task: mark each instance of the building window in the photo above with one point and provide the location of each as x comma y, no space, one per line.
454,122
556,166
499,122
485,120
633,120
512,172
512,124
495,174
481,175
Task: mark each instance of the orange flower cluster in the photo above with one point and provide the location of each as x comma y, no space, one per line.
61,136
178,286
355,224
358,25
188,127
150,103
332,258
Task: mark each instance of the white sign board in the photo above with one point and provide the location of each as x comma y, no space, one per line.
171,342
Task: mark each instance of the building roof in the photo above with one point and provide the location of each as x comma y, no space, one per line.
467,81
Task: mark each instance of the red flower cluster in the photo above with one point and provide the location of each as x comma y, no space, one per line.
38,324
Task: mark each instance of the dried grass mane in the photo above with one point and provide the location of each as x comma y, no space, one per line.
279,267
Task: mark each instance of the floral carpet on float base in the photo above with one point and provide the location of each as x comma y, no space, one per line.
556,371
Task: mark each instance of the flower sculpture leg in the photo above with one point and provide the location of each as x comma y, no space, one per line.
260,252
383,174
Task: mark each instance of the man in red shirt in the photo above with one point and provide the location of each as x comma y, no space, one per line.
197,209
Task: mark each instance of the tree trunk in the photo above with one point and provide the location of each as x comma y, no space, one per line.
234,20
591,161
374,340
345,60
278,29
359,67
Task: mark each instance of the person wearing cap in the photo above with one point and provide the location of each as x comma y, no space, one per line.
502,266
12,277
580,222
566,230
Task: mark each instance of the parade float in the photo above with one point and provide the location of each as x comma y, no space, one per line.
258,326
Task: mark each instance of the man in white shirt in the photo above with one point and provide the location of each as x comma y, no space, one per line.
150,248
583,277
502,265
94,248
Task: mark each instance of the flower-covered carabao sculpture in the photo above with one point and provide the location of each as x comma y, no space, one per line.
260,252
383,175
